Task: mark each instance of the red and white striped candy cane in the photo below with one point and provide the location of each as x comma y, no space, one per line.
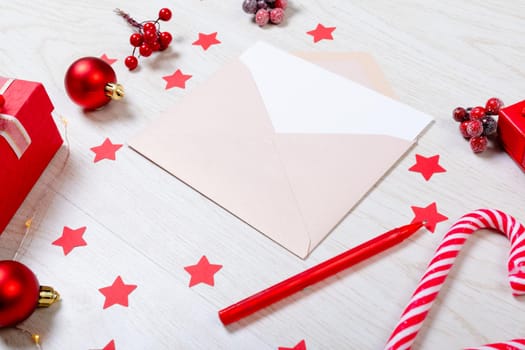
428,288
514,344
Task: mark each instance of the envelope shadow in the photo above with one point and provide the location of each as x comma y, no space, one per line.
314,289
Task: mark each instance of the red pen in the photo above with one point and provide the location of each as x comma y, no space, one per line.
317,273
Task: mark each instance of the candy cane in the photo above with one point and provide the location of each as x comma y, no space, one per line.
428,288
514,344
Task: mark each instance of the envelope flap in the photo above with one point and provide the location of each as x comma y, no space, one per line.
310,99
229,157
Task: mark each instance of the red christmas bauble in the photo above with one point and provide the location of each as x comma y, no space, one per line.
19,293
91,83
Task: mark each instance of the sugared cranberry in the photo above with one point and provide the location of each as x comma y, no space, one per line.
474,128
478,144
493,106
459,114
463,129
477,113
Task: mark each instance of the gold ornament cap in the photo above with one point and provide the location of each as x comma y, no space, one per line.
115,91
47,296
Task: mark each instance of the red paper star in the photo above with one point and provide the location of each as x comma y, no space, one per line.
71,239
430,215
427,166
110,346
321,32
202,272
177,79
106,150
300,346
117,293
108,60
207,40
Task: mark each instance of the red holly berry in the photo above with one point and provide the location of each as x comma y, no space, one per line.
463,129
474,128
165,14
136,39
147,37
155,46
149,26
145,50
478,144
493,106
459,114
131,62
150,36
165,39
477,113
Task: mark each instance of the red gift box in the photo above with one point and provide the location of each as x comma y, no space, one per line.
511,130
29,139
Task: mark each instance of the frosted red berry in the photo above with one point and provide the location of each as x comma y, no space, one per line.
165,14
266,11
136,39
478,144
459,114
276,15
493,106
131,62
262,17
463,129
474,128
283,4
477,113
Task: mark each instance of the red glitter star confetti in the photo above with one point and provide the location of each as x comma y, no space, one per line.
106,150
300,346
110,346
202,272
207,40
70,239
427,166
321,32
429,214
117,293
108,60
177,79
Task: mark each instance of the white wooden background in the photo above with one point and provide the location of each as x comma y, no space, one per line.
145,225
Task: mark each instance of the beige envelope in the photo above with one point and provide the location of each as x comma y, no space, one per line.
294,187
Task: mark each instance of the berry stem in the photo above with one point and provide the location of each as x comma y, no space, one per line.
128,18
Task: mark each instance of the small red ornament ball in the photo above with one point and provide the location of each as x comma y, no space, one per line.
86,81
19,293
